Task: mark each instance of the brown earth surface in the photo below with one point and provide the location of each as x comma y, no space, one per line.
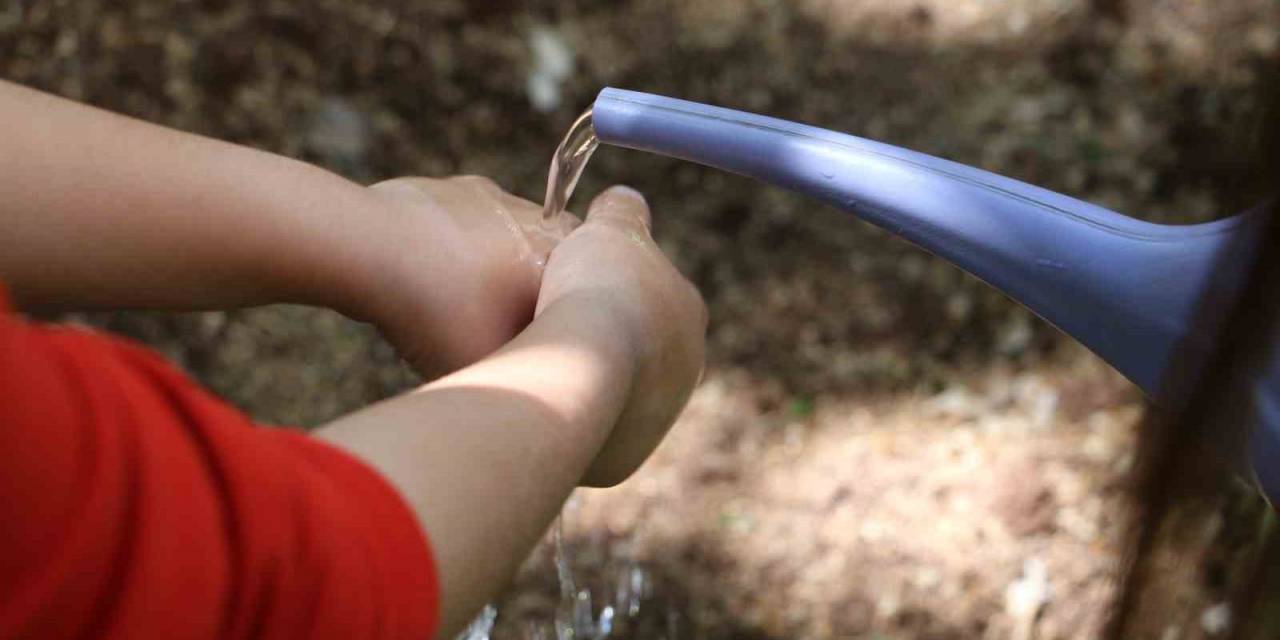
883,447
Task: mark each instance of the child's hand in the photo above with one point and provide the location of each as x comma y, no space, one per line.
141,217
612,272
459,268
582,395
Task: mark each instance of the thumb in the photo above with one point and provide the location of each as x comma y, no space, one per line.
620,205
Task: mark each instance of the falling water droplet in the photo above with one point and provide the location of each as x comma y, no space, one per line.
568,591
637,587
583,623
605,626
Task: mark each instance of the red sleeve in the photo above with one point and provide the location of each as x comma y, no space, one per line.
135,505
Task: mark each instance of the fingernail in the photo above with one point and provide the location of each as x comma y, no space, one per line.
625,191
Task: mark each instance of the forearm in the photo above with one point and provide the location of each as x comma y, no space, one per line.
98,210
487,455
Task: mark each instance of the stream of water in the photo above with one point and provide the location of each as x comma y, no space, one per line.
576,617
567,164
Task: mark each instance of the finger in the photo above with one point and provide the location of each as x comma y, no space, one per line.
620,205
476,181
417,182
423,191
525,211
567,222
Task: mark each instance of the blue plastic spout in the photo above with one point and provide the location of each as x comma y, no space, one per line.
1131,291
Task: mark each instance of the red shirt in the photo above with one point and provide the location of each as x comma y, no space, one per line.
135,505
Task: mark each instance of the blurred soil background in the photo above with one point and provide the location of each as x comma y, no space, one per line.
883,447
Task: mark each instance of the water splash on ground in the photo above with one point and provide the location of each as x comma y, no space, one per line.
482,626
601,609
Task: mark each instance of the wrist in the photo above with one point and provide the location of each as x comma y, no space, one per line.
602,321
343,247
595,359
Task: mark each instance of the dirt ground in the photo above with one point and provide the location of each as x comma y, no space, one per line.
883,447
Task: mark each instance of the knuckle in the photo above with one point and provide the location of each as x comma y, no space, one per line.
618,223
411,188
611,202
478,181
611,230
394,184
597,232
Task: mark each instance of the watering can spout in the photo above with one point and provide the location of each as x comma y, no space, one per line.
1128,290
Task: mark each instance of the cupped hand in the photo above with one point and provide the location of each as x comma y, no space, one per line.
610,268
459,270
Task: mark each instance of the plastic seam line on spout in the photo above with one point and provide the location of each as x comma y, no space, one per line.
1127,289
